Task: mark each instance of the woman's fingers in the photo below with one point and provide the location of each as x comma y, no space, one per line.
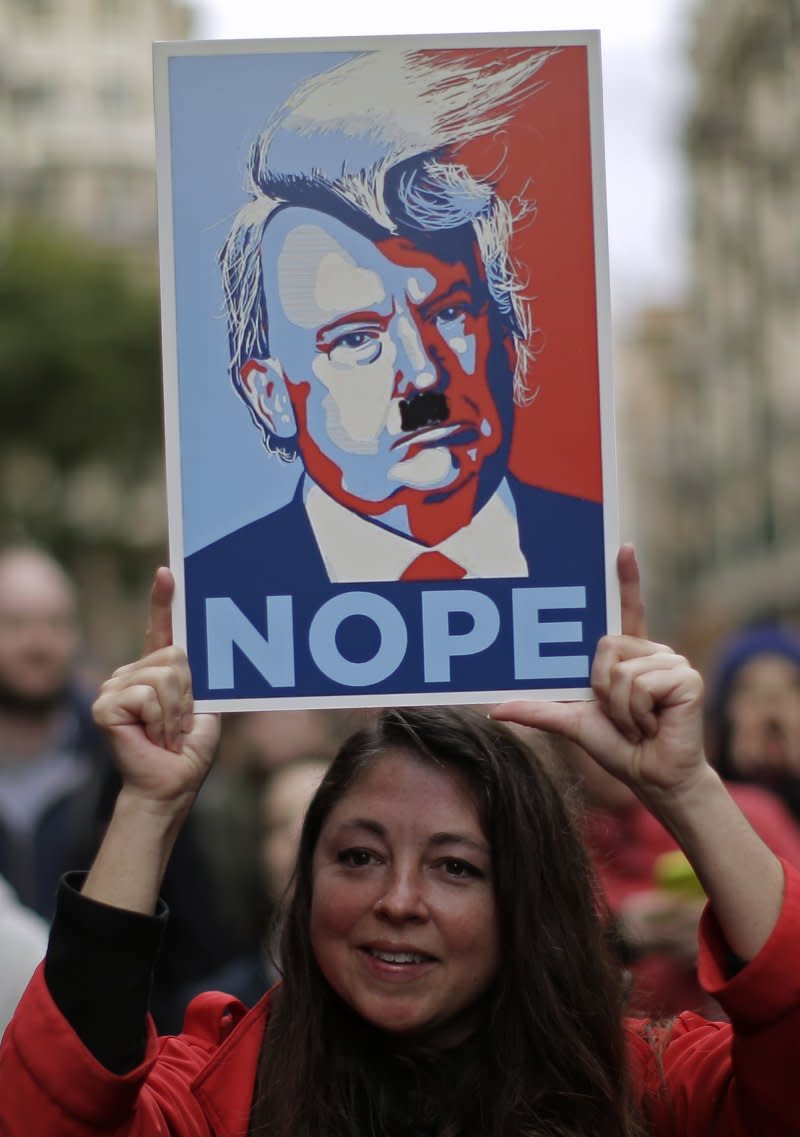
156,692
634,681
632,608
159,625
560,718
171,658
138,705
631,699
614,650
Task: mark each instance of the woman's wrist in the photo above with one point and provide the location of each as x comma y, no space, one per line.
159,817
133,856
741,877
682,808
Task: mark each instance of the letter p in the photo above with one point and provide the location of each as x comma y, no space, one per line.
440,644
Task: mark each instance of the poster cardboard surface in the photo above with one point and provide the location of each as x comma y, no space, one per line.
389,421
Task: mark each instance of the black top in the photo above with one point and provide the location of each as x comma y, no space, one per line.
98,958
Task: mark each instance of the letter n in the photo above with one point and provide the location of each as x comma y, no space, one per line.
271,655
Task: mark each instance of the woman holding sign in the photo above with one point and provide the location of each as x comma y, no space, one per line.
445,964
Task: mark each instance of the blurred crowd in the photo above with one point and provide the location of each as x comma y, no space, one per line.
233,864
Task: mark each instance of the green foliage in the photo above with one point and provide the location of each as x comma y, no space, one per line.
79,355
81,466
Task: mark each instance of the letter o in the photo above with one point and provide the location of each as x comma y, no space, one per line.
325,652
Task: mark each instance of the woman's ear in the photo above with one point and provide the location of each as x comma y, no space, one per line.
264,387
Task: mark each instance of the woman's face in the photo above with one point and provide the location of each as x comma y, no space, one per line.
403,918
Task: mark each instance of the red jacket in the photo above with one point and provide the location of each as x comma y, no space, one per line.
722,1079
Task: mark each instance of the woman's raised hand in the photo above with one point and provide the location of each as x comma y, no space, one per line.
146,709
645,725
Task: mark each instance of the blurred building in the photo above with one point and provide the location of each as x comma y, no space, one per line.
77,160
661,458
76,113
710,407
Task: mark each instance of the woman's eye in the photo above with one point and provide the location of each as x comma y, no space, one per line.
455,867
356,858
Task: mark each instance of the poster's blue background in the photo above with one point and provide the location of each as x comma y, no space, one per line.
218,106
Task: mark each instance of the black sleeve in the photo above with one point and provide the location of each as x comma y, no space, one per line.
99,969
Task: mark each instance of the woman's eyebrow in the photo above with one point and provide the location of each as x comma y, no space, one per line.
367,823
436,840
439,839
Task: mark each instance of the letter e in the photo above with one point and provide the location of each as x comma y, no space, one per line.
530,633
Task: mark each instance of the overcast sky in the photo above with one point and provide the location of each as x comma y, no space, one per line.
646,89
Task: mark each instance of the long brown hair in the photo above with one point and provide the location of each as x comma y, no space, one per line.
549,1057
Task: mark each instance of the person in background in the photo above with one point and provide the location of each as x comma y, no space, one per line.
23,941
58,782
284,802
54,763
754,711
446,969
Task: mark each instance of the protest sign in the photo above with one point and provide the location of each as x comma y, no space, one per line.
389,424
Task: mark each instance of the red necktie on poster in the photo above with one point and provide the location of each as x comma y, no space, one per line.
433,566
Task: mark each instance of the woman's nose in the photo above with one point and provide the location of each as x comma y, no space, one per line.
403,899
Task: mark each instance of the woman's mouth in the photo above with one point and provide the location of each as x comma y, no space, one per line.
399,957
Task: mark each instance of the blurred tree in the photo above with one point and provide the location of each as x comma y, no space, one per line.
79,353
81,466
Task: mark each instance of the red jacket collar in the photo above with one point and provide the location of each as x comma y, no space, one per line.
224,1087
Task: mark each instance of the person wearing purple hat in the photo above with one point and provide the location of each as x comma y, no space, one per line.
754,711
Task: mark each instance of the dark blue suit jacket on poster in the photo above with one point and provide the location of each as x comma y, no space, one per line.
561,538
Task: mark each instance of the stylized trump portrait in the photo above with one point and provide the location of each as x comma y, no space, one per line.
386,417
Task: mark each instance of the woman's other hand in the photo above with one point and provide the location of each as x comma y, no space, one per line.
645,724
146,709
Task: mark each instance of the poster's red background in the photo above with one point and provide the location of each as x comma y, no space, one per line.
546,155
